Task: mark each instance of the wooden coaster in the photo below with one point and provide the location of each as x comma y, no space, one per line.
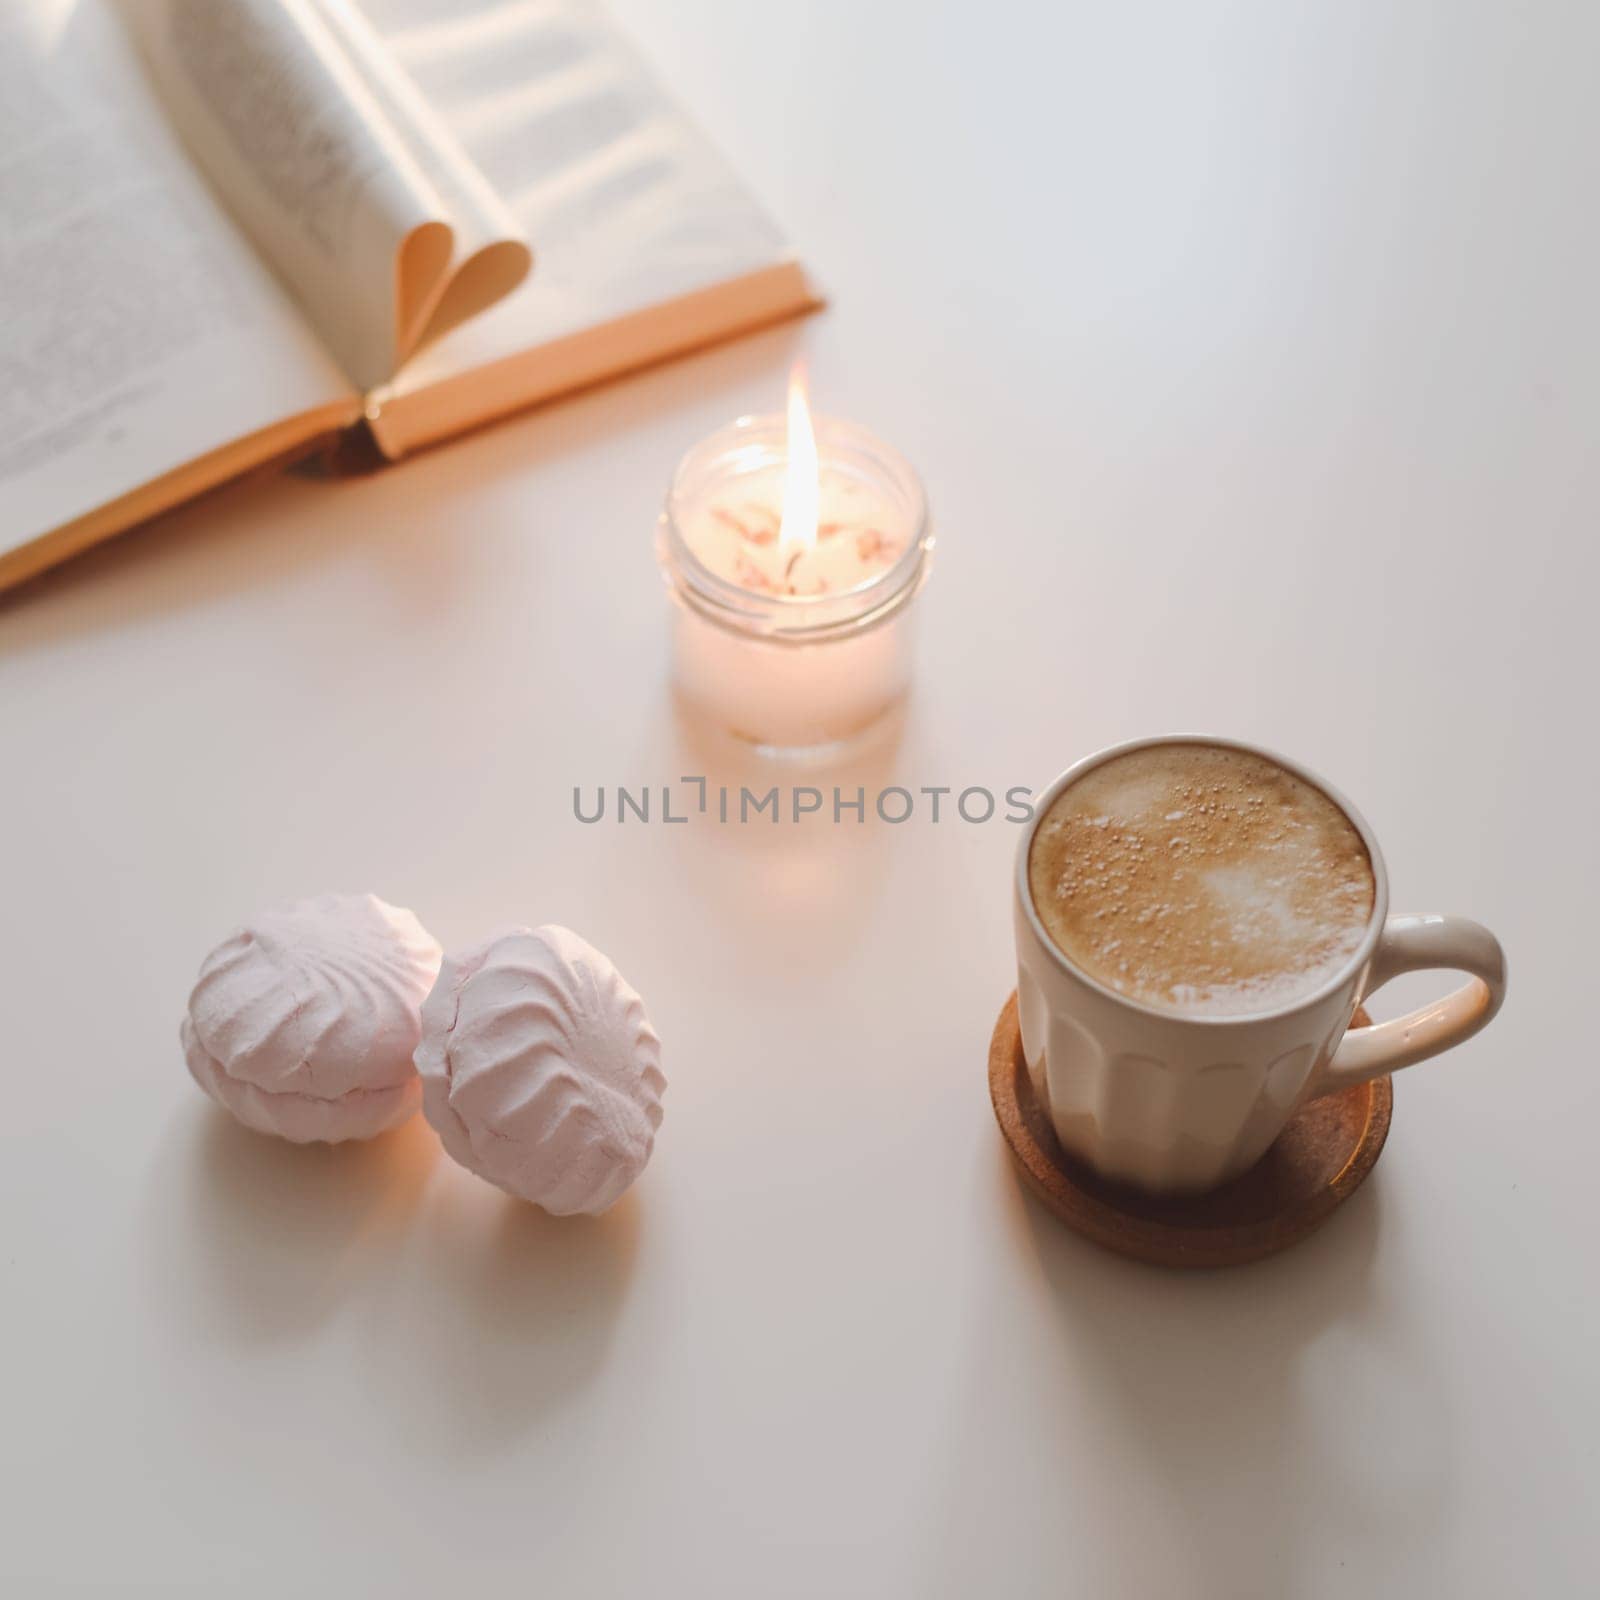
1316,1163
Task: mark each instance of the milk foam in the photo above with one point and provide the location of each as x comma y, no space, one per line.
1201,879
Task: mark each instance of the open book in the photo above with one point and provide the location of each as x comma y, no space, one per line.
231,228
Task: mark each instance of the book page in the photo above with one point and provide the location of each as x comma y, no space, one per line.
139,330
629,207
492,257
329,161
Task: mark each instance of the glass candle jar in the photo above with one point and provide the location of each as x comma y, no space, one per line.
798,646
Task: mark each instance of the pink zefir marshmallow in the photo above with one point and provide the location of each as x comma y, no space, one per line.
303,1022
540,1070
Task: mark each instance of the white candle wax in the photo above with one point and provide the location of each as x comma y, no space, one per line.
734,532
792,697
793,643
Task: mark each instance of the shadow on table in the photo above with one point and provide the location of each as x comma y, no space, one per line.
483,1314
510,1315
1192,1429
279,1234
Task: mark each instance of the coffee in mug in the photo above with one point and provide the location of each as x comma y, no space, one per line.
1197,921
1203,880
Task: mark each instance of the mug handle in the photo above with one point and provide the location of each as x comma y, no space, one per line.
1412,943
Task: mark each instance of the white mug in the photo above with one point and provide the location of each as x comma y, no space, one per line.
1177,1103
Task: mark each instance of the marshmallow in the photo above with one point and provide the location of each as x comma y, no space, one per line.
303,1022
540,1071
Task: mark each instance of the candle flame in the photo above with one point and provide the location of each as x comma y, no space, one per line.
802,485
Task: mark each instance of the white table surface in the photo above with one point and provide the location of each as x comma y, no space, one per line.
1250,356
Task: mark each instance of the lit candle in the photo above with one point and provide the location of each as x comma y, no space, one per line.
793,551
